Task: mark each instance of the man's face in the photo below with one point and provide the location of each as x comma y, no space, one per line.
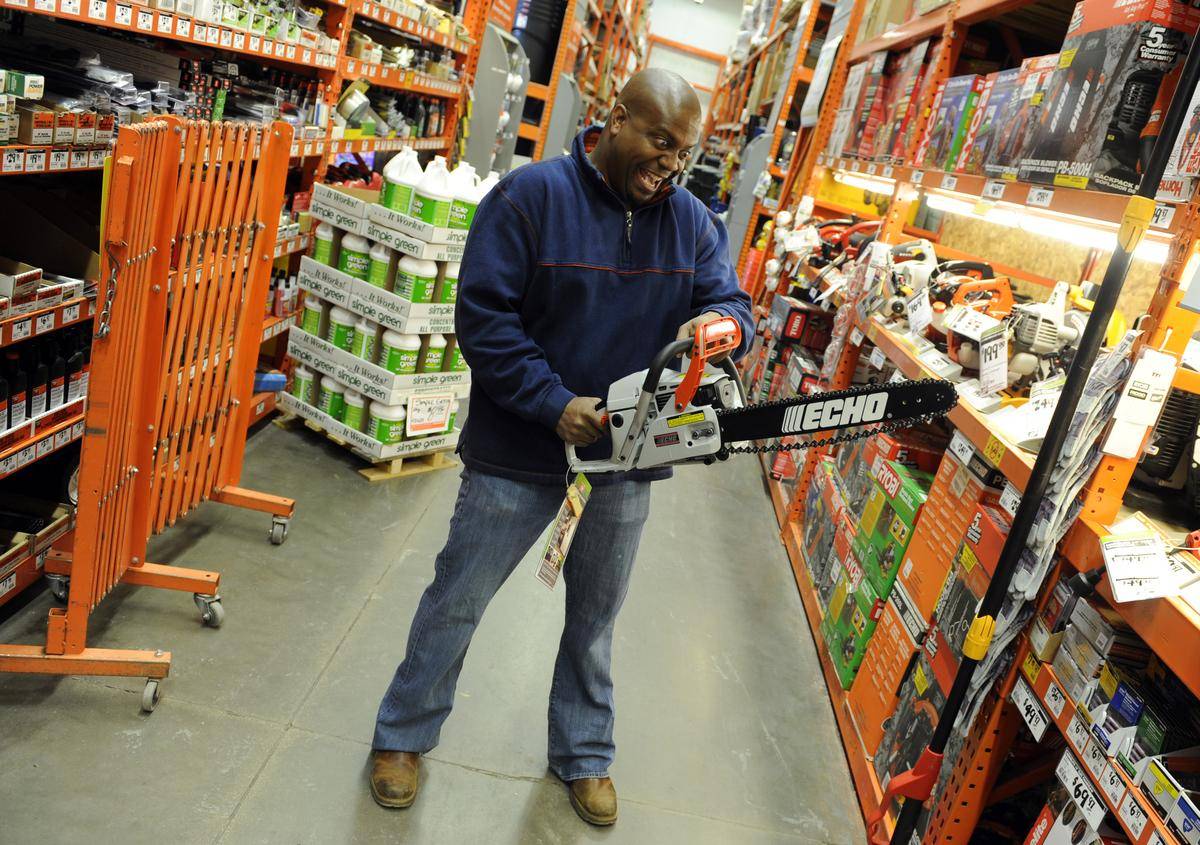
649,150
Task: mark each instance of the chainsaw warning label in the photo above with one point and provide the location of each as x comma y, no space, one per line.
685,419
666,439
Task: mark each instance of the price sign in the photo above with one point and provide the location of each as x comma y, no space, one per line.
949,182
1112,785
872,169
306,56
1095,759
98,9
183,27
1155,839
855,166
280,48
993,360
60,159
35,161
428,414
145,20
1133,815
1072,776
200,32
13,162
994,450
226,38
918,176
856,336
993,189
44,447
79,159
62,438
71,7
166,24
214,35
1055,700
22,330
1039,197
25,456
239,41
124,15
1031,667
71,313
45,6
1009,499
888,170
96,158
291,51
961,448
1163,215
920,312
1030,708
877,358
44,323
255,43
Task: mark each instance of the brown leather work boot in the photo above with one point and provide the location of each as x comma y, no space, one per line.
594,799
394,778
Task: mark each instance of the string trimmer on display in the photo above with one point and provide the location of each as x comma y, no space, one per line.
659,417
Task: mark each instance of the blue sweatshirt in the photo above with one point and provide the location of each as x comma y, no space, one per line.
562,291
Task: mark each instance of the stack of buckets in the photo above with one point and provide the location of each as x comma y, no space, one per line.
436,196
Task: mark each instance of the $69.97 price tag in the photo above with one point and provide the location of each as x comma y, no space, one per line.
1071,774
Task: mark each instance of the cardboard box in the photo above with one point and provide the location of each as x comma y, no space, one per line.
1116,60
888,518
823,505
802,322
869,110
37,124
106,127
1016,117
853,622
840,560
27,86
907,733
949,120
985,131
18,281
85,127
363,444
902,105
376,304
65,121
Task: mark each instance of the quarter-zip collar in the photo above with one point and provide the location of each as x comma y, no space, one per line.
595,178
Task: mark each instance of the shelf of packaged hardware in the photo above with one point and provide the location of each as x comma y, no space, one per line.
1112,785
274,326
399,79
174,27
408,26
45,320
1091,205
862,773
37,438
24,159
928,25
1171,625
21,565
371,145
291,245
262,404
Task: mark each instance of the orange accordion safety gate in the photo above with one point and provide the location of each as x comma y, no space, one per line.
190,227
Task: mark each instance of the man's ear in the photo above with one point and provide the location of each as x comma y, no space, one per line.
617,118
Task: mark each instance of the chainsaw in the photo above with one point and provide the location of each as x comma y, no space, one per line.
659,417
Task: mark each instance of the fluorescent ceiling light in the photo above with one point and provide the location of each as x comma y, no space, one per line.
866,183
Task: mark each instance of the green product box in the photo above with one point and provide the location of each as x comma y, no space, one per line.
853,612
889,514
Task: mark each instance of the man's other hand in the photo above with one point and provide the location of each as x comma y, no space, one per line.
688,329
581,424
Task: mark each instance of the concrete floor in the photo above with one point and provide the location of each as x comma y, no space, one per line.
724,730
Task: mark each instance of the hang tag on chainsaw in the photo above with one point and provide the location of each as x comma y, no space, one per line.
562,532
920,312
1141,402
1136,562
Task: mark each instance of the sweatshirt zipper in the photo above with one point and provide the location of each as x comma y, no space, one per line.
628,235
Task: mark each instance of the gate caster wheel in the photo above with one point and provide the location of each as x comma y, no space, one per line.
279,530
212,613
150,696
60,587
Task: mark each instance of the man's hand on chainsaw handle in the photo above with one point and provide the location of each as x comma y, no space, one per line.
688,329
581,424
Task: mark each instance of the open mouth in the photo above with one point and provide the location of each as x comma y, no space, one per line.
648,181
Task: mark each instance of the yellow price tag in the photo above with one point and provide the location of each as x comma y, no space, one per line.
1031,667
919,680
1036,99
1066,57
966,558
994,450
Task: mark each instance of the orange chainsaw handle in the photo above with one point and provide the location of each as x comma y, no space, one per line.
716,337
999,305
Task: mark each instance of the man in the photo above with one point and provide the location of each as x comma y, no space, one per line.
577,271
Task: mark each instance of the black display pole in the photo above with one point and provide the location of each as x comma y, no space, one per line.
1135,221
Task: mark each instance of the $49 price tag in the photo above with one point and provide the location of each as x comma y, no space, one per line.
1030,708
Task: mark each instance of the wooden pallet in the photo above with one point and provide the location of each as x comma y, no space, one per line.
386,469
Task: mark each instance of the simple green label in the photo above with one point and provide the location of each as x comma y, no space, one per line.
397,197
462,214
387,431
457,362
377,273
433,211
402,362
414,288
363,345
332,403
354,263
323,251
433,360
312,322
302,389
353,417
341,335
449,290
451,421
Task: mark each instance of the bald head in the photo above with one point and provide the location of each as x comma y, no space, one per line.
649,135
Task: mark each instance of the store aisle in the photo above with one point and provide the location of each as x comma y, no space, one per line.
724,731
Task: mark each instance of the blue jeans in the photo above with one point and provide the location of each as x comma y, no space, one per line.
495,522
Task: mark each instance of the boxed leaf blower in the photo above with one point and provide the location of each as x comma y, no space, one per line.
1106,99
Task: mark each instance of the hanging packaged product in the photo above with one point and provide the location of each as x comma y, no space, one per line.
354,256
363,343
401,176
400,353
331,399
435,353
465,196
302,384
323,245
341,328
314,310
453,361
352,416
415,279
431,199
447,289
386,423
378,263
